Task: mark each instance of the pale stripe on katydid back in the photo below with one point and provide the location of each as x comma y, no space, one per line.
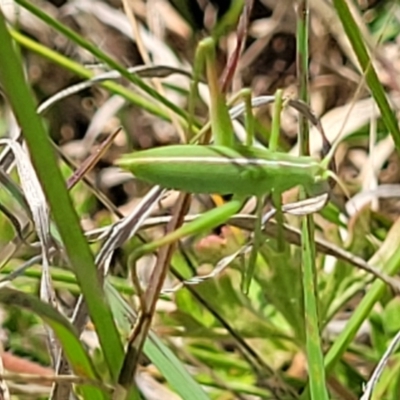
239,170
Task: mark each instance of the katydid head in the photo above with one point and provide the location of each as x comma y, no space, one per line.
328,160
331,175
334,177
320,183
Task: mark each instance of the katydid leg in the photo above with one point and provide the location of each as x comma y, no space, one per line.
208,220
257,241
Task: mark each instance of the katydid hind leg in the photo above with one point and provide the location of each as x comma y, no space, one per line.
277,202
207,221
257,241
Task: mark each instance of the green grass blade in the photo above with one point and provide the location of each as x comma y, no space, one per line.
302,59
81,71
248,273
72,346
315,358
249,117
377,91
159,354
361,313
276,121
172,369
43,159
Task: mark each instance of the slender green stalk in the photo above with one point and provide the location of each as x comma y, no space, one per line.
273,146
197,73
302,70
315,358
221,124
249,121
276,121
257,241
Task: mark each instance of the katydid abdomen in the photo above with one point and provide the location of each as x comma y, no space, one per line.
239,170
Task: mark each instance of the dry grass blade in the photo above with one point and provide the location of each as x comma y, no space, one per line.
91,161
301,207
4,389
232,64
342,121
360,200
246,222
98,193
144,54
149,300
79,174
20,270
49,379
128,226
218,269
32,190
15,222
159,71
40,214
115,237
379,368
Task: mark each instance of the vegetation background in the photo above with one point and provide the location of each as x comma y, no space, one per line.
208,340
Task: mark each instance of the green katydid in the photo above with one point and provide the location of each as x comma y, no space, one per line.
224,168
238,170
